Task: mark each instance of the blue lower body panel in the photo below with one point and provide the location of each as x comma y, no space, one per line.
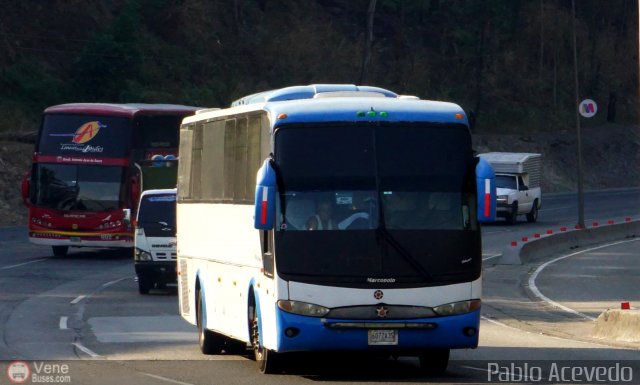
314,334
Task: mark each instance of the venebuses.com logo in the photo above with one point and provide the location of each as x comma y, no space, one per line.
19,372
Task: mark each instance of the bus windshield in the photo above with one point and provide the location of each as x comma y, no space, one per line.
395,202
351,170
78,187
85,135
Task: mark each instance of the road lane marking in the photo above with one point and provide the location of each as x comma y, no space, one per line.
492,256
22,264
114,282
537,293
63,323
165,379
86,350
78,299
514,377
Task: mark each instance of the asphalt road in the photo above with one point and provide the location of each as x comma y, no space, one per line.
84,311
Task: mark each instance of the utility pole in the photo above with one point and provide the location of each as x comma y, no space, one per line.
577,91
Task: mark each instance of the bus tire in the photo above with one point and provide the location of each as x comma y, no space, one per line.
268,360
532,216
210,342
433,362
233,346
60,251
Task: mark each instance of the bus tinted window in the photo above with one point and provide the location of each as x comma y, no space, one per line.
152,133
326,158
423,158
85,135
78,187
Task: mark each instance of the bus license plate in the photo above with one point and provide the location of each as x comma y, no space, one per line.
383,337
75,239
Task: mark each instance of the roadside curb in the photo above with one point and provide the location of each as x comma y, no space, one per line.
543,245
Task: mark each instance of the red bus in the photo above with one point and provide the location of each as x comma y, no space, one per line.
87,168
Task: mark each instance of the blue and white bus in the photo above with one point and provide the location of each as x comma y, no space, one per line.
331,218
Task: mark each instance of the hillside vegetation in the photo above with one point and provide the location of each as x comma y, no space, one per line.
507,62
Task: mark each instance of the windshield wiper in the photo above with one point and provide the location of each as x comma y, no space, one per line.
404,253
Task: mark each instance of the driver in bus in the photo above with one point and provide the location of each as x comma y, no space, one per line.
321,220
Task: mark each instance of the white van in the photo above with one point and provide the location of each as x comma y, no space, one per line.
155,240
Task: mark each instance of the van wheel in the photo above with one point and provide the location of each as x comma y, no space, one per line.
268,360
60,251
144,285
513,215
433,362
532,216
210,342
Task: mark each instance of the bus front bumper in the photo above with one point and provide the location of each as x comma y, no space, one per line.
301,333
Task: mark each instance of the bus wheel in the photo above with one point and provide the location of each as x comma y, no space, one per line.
434,361
268,361
60,251
233,346
210,342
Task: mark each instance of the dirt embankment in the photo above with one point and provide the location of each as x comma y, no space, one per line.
611,156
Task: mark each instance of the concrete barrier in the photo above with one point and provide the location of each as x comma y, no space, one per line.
547,245
618,325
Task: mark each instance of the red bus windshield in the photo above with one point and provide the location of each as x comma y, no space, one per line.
72,187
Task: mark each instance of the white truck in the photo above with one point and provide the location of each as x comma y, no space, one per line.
155,239
518,177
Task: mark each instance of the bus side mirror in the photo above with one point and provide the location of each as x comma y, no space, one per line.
25,187
265,199
486,188
126,216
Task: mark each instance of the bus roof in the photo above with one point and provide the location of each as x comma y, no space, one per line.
308,92
125,109
348,109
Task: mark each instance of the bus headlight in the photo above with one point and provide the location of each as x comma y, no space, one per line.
456,308
140,255
303,308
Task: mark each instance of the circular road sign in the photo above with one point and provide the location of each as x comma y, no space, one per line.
588,108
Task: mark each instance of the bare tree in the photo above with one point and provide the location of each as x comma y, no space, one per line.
366,59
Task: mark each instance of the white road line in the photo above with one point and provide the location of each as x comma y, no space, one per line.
492,256
86,350
165,379
78,299
114,282
22,264
515,377
63,323
537,293
501,324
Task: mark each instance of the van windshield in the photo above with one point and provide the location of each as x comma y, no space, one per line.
157,215
506,181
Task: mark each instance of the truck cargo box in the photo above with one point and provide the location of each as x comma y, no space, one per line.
526,164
